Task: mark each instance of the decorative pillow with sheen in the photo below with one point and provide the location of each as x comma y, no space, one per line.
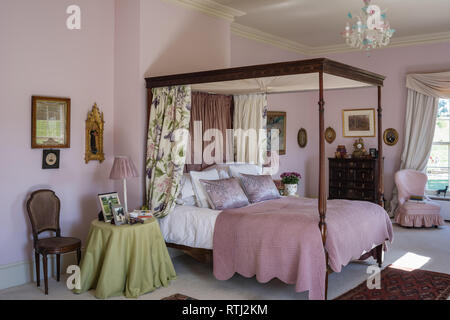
225,193
259,187
200,194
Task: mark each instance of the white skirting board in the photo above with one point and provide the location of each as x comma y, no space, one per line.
16,274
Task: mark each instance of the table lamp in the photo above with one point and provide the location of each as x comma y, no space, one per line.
123,168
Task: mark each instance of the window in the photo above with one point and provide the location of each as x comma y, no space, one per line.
438,163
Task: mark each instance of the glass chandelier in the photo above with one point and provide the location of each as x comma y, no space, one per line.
371,29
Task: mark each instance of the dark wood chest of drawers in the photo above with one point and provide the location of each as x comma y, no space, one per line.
353,179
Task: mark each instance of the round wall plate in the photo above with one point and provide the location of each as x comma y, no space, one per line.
330,135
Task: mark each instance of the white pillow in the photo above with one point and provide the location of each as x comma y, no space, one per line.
245,168
186,187
189,201
187,194
200,193
222,169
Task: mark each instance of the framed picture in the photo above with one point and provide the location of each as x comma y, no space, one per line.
390,137
107,200
277,120
330,135
302,138
50,126
50,159
358,122
119,214
94,135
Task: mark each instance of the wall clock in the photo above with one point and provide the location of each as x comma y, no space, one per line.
302,138
390,137
50,159
330,135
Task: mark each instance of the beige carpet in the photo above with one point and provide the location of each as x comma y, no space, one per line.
196,280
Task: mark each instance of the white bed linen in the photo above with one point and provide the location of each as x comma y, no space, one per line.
189,226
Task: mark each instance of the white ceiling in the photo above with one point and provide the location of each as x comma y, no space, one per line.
318,23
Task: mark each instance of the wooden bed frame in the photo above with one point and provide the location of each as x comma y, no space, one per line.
320,66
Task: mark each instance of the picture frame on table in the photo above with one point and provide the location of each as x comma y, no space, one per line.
358,122
107,200
119,215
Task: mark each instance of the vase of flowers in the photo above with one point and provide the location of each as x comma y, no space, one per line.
290,181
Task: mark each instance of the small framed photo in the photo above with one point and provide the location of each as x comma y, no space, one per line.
107,200
50,159
358,122
119,215
373,153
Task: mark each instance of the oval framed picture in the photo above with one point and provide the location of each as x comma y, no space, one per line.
330,135
302,138
390,136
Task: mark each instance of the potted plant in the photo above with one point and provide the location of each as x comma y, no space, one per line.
290,181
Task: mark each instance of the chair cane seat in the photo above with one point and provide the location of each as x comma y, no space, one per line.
57,244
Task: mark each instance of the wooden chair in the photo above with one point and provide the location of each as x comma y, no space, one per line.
43,208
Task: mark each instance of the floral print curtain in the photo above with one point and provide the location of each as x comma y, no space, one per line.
168,133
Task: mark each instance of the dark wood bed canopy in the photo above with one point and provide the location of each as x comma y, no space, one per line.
320,66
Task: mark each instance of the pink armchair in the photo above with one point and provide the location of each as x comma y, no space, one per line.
413,214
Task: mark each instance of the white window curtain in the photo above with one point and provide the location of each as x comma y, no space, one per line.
424,91
250,122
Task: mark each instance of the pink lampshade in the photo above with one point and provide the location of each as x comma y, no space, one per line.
123,168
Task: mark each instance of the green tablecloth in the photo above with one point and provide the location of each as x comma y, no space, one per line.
128,259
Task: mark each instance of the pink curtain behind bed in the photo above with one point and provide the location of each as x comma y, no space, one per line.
215,111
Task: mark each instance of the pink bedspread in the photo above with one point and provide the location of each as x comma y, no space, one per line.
281,239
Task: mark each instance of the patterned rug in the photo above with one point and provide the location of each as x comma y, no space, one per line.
400,284
178,296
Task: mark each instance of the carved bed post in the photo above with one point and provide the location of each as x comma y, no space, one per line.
380,194
322,191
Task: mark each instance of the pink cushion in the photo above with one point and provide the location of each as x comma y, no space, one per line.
411,214
225,193
427,207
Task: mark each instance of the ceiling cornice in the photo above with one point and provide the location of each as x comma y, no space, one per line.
395,42
217,10
261,36
258,35
211,8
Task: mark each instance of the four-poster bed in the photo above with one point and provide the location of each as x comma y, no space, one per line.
305,75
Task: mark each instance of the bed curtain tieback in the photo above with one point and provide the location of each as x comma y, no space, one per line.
168,133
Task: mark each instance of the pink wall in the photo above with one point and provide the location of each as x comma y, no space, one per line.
105,62
302,108
40,56
394,63
155,37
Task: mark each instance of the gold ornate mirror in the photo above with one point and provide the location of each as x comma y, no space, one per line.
94,135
